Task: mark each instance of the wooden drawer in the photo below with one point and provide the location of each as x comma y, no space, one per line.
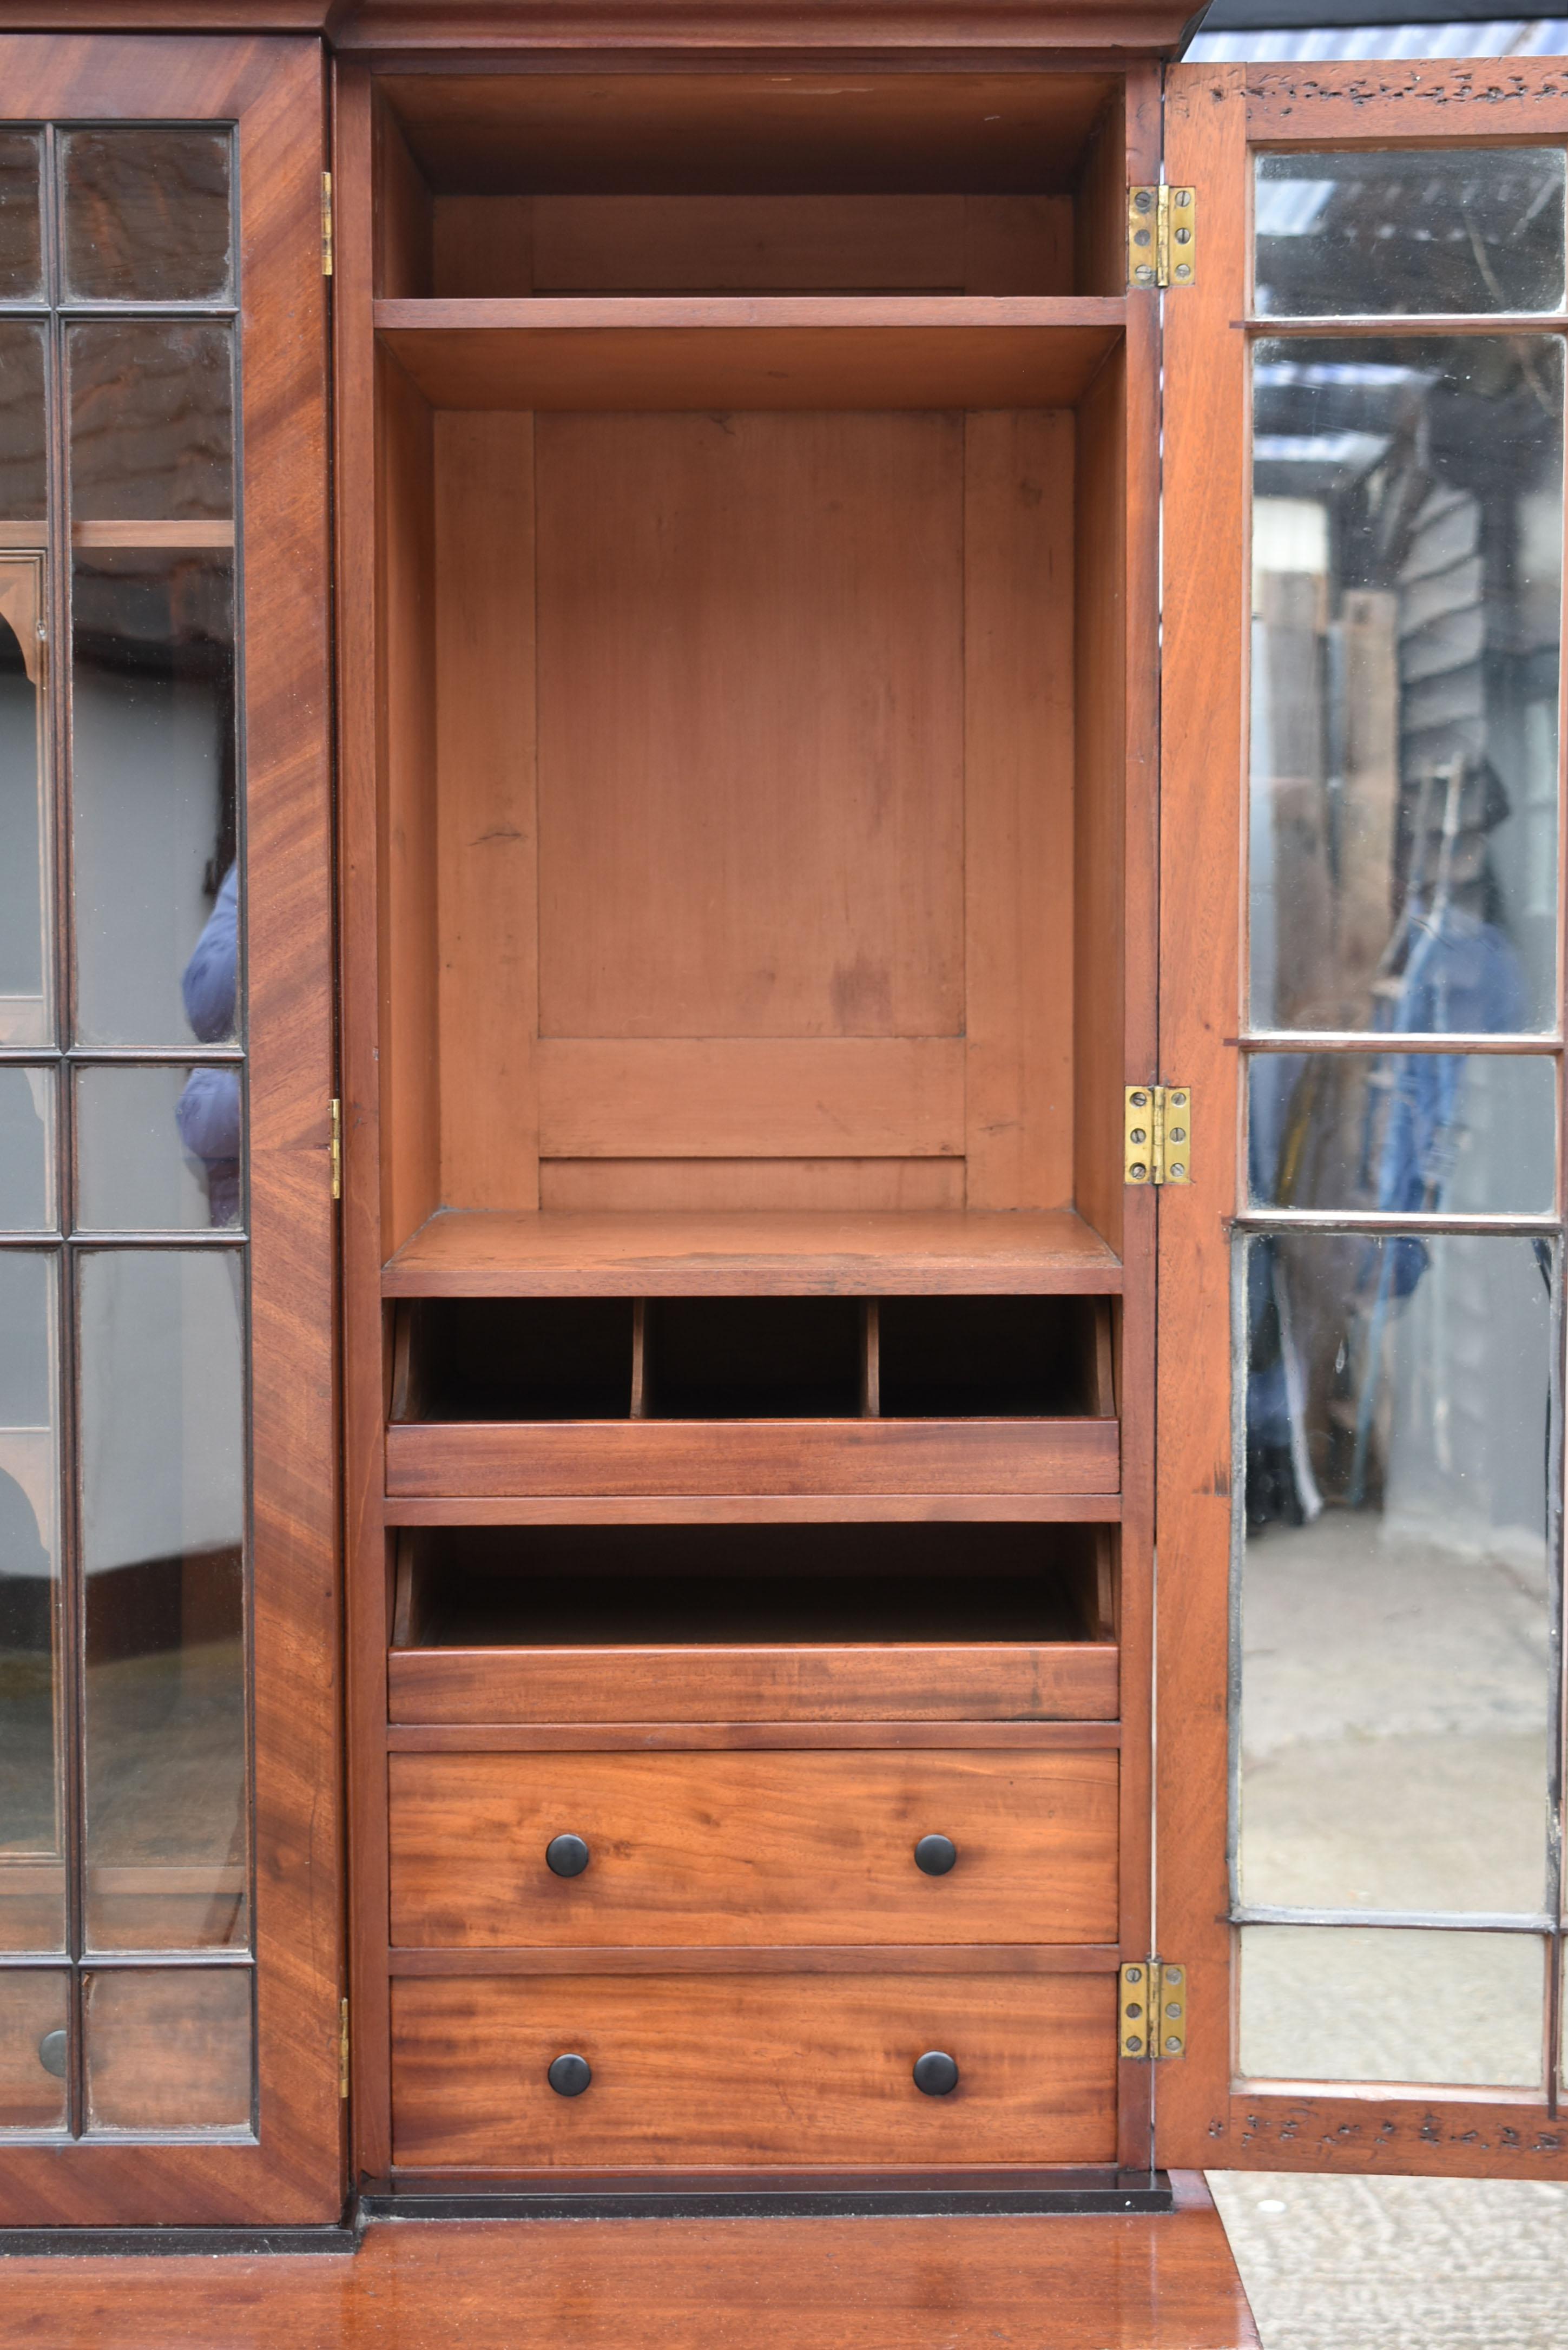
914,1680
744,2070
780,1456
752,1849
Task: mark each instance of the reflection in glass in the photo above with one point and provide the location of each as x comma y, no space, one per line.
169,2049
27,1150
1396,1612
1341,2003
24,481
23,861
32,1871
1407,578
162,1499
21,246
153,691
146,214
152,422
158,1149
1402,1132
1407,229
35,2010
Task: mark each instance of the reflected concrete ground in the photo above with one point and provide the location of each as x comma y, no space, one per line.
1399,2264
1395,1732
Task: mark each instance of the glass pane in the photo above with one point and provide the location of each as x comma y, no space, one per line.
169,2049
34,2021
146,215
21,246
1408,230
162,1442
151,423
32,1869
1407,578
1403,1132
27,1150
156,890
24,480
157,1149
1395,1619
1342,2004
25,925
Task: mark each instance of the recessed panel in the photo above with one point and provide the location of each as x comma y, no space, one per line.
750,725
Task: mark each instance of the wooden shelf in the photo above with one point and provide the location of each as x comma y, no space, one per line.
818,351
474,1253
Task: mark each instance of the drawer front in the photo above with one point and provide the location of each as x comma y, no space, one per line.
916,1680
753,1849
785,1457
746,2070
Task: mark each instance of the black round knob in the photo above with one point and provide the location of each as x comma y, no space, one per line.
936,2075
568,1856
936,1855
570,2076
52,2053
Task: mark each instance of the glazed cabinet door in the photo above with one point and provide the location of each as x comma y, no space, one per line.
1360,1399
168,1869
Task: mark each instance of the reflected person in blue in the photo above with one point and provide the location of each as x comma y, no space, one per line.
209,1109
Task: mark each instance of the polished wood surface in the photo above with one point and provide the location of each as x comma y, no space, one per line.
274,91
776,352
1165,2281
681,1253
650,1737
753,1848
1124,578
757,1456
750,1509
627,1959
918,1681
1204,750
360,712
703,2069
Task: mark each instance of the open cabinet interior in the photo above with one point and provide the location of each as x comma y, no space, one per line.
745,847
751,698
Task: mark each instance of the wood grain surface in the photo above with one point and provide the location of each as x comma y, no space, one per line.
773,352
881,1456
1009,1680
1165,2281
776,1252
713,2069
753,1848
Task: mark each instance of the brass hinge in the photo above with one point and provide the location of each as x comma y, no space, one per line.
327,224
1157,1135
336,1148
1162,237
1152,2022
343,2048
